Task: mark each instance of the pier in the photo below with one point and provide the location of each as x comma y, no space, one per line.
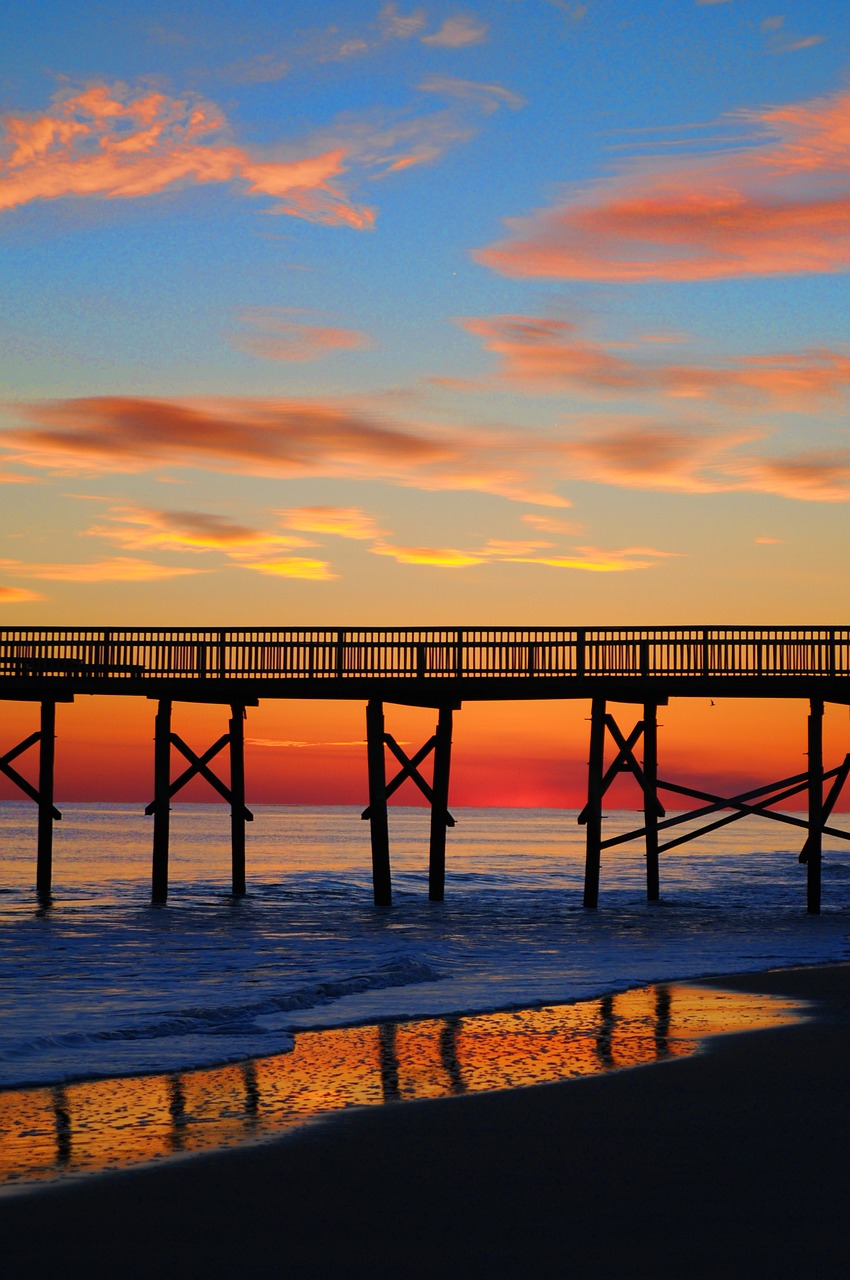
636,669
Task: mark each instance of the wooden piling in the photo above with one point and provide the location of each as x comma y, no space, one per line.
162,802
378,820
814,842
46,762
439,806
594,802
237,799
650,798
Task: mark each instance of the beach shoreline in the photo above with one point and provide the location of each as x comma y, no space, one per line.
731,1162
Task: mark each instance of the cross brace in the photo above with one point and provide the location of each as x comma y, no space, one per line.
784,789
198,765
625,762
410,769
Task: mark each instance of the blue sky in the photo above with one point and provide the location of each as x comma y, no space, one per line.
393,312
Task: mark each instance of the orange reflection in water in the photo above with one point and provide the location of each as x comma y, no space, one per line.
81,1128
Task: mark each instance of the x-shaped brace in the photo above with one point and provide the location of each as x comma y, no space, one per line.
625,761
198,765
410,769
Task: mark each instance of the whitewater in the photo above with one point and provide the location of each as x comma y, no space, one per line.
102,984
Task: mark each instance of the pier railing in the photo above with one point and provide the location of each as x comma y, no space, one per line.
320,654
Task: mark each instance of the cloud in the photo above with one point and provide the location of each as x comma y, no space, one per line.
550,524
296,567
276,336
442,557
141,529
340,522
778,203
489,97
308,439
550,354
119,569
458,32
585,559
287,438
659,456
398,26
108,142
18,595
778,40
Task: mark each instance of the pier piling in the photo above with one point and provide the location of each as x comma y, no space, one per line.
814,841
378,819
161,802
440,806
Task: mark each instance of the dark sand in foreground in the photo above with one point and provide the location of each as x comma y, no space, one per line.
734,1163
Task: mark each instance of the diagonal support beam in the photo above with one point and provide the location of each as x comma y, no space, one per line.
410,769
198,765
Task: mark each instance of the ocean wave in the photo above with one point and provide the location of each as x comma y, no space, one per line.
235,1019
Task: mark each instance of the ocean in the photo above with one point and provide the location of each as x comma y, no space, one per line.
102,985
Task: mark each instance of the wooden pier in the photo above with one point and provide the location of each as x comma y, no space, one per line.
439,668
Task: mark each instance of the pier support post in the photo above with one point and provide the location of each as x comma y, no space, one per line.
237,799
46,761
378,821
161,804
650,798
594,802
440,806
814,842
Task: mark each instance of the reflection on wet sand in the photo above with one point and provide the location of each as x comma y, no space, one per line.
79,1128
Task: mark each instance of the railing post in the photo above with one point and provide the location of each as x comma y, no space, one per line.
439,806
580,652
594,802
378,822
340,653
46,760
814,842
162,802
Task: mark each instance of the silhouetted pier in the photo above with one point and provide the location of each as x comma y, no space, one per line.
439,668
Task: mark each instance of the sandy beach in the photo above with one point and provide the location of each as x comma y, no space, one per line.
731,1163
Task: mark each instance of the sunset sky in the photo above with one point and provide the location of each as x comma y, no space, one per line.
532,312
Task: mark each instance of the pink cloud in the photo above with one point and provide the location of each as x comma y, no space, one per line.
550,354
275,335
106,142
292,438
143,529
745,211
458,32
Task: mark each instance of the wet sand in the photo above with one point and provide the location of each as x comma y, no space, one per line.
732,1163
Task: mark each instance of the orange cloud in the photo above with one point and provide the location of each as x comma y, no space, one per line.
679,459
120,569
549,354
18,595
277,337
443,557
744,211
341,522
587,559
291,438
139,528
105,142
295,567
